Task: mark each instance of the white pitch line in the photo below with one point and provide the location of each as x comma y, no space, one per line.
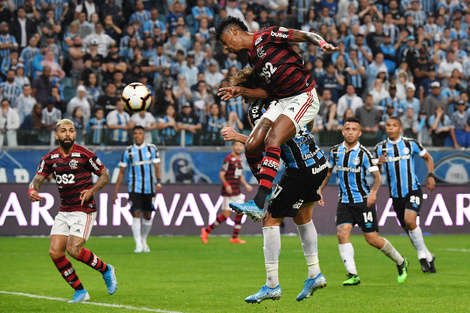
455,250
128,307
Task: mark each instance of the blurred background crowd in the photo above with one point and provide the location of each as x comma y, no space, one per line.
59,58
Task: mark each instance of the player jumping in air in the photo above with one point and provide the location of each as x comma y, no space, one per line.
287,81
72,166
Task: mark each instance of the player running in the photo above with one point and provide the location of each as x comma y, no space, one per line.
356,201
287,80
72,166
396,154
231,176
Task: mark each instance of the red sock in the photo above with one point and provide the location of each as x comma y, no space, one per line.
92,260
254,162
238,225
269,168
220,219
68,272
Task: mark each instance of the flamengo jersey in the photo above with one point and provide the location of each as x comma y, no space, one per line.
273,58
141,160
351,166
72,174
301,151
233,169
400,166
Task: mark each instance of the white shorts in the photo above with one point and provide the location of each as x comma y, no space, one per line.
77,224
301,109
237,199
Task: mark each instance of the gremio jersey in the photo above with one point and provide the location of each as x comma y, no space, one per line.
301,151
351,166
400,166
141,160
72,175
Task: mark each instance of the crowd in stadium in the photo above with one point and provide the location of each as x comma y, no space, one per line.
59,58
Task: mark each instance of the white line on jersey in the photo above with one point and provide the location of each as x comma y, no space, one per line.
128,307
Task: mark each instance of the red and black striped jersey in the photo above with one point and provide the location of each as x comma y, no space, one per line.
233,169
273,58
72,174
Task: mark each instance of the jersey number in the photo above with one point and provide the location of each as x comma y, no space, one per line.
415,199
267,72
368,217
65,178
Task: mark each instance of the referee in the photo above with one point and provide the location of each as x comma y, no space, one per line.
144,181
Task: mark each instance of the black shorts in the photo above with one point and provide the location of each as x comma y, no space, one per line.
412,201
358,213
295,188
141,202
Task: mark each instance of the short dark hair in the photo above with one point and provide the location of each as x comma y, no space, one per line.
225,22
395,118
138,127
352,119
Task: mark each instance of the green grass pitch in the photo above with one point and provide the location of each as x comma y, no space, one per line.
183,275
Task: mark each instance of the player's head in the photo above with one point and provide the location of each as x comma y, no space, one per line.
139,135
229,32
393,127
237,148
352,130
246,78
65,133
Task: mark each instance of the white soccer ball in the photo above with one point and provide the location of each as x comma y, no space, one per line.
136,97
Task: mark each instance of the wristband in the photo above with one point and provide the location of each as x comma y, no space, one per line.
322,43
431,175
159,181
30,190
226,184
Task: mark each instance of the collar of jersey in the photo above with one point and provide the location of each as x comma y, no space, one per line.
353,148
139,147
394,142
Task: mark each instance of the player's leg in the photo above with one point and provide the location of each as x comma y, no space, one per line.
147,208
81,230
58,246
135,201
238,221
272,248
205,231
309,239
254,146
411,211
345,220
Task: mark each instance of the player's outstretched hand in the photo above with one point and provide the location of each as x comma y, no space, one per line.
228,93
228,133
85,195
34,196
328,48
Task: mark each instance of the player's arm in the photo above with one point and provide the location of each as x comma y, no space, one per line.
373,192
430,182
325,182
103,179
247,186
222,173
158,175
227,93
229,134
122,171
301,36
34,186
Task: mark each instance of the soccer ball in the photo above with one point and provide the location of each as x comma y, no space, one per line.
136,97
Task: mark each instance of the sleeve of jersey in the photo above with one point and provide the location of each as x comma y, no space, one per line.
375,158
418,148
124,159
96,166
225,165
331,162
368,163
156,156
43,168
280,34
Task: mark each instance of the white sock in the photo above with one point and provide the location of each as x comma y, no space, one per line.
136,226
309,238
272,248
346,251
389,250
146,226
416,237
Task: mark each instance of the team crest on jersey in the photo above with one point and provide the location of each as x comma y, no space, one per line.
73,164
356,161
233,159
257,41
54,156
283,29
406,150
260,52
148,155
76,155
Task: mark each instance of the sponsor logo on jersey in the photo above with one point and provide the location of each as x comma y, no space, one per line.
260,52
137,163
279,35
98,161
76,155
54,156
73,164
41,166
317,170
348,169
258,40
398,158
298,204
283,29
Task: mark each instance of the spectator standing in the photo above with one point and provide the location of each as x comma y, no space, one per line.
212,127
369,118
411,100
50,116
24,103
460,129
434,99
9,90
97,128
189,122
147,121
349,101
439,126
9,124
7,41
119,122
81,101
27,55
